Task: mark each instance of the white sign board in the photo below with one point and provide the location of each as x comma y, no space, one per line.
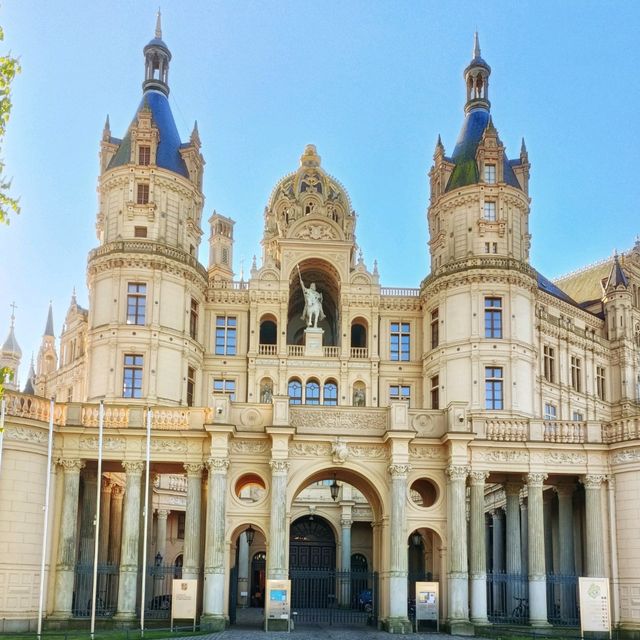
427,602
184,600
595,610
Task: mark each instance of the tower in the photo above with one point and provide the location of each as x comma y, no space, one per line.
47,355
146,285
221,247
10,355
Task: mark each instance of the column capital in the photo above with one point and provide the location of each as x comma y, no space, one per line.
279,467
564,490
217,465
133,466
497,513
457,472
512,488
107,485
593,480
535,479
117,491
478,478
346,523
71,466
399,470
162,514
194,469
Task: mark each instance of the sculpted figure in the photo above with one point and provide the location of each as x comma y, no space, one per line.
312,304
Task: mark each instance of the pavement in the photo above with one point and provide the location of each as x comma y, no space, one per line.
319,632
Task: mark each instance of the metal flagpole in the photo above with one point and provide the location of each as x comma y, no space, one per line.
2,410
96,521
46,512
146,523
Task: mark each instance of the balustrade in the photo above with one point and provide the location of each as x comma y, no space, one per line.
564,431
507,430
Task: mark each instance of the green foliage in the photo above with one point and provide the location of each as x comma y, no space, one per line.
9,67
5,374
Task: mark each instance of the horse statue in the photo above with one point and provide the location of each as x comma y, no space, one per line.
312,311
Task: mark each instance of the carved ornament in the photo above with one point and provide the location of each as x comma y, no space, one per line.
217,465
194,469
26,435
399,470
70,465
108,443
341,420
593,480
252,447
478,478
133,466
564,457
535,479
279,467
503,455
308,449
169,446
626,455
457,472
425,453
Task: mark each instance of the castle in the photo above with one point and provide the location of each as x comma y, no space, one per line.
480,430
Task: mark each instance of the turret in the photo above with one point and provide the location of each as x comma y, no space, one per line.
47,356
11,355
221,247
617,303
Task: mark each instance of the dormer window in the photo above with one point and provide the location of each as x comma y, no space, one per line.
144,155
490,173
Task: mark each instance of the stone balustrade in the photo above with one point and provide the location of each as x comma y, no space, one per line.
268,349
114,417
621,430
25,406
507,430
564,431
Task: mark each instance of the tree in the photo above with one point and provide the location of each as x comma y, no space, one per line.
9,67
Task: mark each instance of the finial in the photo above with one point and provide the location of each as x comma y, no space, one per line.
13,313
254,265
159,24
476,45
375,267
107,124
523,147
242,269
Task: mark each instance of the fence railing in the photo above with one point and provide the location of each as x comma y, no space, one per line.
359,352
508,598
562,600
106,592
268,349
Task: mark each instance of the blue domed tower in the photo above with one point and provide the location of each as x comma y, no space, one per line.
146,284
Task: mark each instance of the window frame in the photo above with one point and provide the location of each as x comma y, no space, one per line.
400,341
549,363
575,364
294,398
330,393
142,193
435,392
493,328
550,412
312,392
132,374
601,378
490,211
191,385
226,386
194,312
490,173
494,388
226,336
136,303
435,328
402,392
144,155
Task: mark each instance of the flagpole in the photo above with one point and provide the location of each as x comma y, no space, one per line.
3,407
96,521
45,527
146,523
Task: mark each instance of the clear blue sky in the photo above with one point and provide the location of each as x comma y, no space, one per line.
371,84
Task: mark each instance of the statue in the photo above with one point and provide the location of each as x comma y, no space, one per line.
358,397
267,394
312,304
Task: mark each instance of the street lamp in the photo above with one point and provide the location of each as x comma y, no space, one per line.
334,488
416,539
250,533
158,559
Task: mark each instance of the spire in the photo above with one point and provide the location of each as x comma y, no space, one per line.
106,132
48,330
476,46
10,346
156,62
29,386
159,25
617,277
476,77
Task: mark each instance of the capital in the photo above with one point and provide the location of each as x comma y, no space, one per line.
194,469
70,466
399,470
117,491
564,490
478,478
345,523
107,485
512,489
163,514
457,472
593,480
535,479
218,465
279,467
133,466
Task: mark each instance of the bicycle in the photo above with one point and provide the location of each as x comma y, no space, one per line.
521,610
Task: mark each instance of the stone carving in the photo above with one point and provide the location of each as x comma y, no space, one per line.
279,466
457,472
177,500
343,420
425,453
218,465
193,469
26,435
249,446
424,425
340,451
399,470
316,231
626,455
169,446
70,465
251,417
535,479
477,478
593,480
266,393
503,455
372,451
359,397
564,457
306,449
133,466
108,443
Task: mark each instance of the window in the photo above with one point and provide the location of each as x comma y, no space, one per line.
493,384
136,302
225,336
435,392
181,519
312,392
193,319
330,393
132,376
489,210
578,416
225,386
144,155
576,373
493,317
549,363
400,341
191,385
399,392
142,196
600,383
550,411
295,392
140,232
434,328
490,173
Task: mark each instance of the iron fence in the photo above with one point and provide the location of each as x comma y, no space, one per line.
106,592
508,598
562,600
158,590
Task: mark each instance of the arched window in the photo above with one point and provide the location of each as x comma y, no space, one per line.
295,392
312,392
358,335
330,393
268,332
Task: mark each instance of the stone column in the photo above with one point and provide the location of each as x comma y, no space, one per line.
243,570
345,593
478,551
398,621
497,560
192,523
524,536
68,540
548,531
88,518
514,549
115,524
277,555
105,516
161,533
130,541
214,576
458,564
565,535
595,537
537,575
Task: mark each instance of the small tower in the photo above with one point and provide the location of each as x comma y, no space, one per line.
47,356
30,385
221,247
476,77
617,303
11,355
156,62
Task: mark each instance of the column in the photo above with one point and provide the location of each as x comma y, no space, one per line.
130,540
565,535
515,589
277,557
548,531
524,536
478,550
398,621
497,520
161,532
345,594
115,524
88,518
593,512
243,570
192,523
105,516
537,577
68,540
458,573
214,576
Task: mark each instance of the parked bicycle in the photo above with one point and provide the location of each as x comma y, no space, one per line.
521,610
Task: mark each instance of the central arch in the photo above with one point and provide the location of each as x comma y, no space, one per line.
312,544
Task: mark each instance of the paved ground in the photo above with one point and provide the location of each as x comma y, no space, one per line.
319,633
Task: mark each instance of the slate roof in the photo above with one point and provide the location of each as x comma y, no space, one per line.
544,284
168,152
11,344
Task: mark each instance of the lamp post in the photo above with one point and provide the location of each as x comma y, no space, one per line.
334,488
249,533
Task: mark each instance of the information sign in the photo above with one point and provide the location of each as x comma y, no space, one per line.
595,611
277,600
184,600
427,602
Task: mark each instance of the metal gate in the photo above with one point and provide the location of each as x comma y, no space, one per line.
233,594
334,597
106,592
158,591
562,600
508,598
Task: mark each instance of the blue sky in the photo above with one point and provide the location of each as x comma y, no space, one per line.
371,84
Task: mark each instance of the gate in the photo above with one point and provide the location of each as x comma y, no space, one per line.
330,597
508,598
158,592
106,592
562,600
233,594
